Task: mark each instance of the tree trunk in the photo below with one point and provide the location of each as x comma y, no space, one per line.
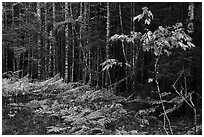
121,20
42,47
53,44
86,54
81,52
90,51
62,50
51,57
46,43
14,59
66,43
98,55
123,45
107,38
4,46
131,87
73,50
39,41
32,65
191,17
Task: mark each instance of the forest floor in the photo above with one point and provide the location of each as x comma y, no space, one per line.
55,107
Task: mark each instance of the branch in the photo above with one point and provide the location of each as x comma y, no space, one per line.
174,86
159,92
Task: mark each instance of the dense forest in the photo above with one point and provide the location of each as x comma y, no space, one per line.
109,68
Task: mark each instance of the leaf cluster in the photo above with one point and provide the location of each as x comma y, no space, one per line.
146,15
109,63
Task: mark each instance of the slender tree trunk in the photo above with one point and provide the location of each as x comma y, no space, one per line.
53,44
4,46
90,51
43,48
73,50
50,50
30,66
62,50
81,52
107,30
121,28
107,37
85,44
27,53
51,59
101,57
102,81
21,55
134,49
191,17
98,55
46,43
121,20
89,60
66,43
58,48
131,47
123,46
14,59
39,41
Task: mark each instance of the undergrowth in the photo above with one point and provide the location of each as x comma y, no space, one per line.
56,107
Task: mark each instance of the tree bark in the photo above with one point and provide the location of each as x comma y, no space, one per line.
107,37
14,59
85,44
39,41
90,51
81,52
4,46
191,17
54,71
46,43
73,50
66,43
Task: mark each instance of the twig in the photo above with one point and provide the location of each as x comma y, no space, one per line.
123,47
194,110
159,92
174,86
131,95
190,103
124,54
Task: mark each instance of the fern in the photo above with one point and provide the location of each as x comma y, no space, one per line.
55,129
109,63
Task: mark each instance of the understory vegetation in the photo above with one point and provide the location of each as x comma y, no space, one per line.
55,107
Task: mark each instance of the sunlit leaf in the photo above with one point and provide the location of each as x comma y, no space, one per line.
191,44
139,17
128,65
147,21
183,46
150,80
